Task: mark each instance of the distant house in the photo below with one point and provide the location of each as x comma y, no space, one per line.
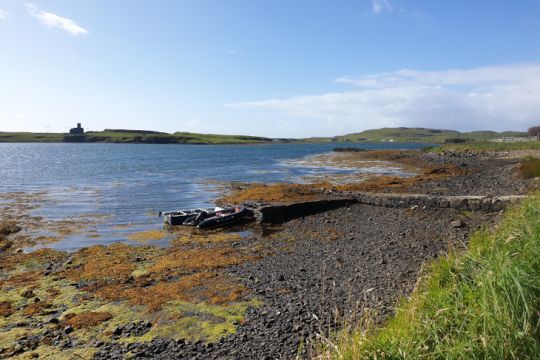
78,130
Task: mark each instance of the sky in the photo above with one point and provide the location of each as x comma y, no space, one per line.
278,68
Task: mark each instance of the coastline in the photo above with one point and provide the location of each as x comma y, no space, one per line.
384,135
265,292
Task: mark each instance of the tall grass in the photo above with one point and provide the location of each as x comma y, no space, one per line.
530,168
478,304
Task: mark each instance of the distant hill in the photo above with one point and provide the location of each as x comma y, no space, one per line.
134,131
135,136
403,134
436,136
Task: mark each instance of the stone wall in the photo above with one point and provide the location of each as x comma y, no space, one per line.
470,203
281,213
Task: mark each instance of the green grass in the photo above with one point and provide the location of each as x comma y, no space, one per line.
434,136
222,139
479,304
530,168
176,138
30,137
488,146
140,136
425,135
128,136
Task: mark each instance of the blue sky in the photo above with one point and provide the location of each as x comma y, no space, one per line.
272,68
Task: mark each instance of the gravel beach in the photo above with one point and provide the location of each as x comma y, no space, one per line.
325,270
302,280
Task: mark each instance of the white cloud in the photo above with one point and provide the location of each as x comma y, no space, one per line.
235,52
3,14
496,97
380,6
51,20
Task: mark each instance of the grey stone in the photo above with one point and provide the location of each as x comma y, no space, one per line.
457,223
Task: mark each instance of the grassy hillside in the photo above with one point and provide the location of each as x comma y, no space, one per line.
176,138
424,135
481,304
30,137
134,136
222,139
146,136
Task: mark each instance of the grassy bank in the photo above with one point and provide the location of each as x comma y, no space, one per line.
176,138
434,136
30,137
134,136
481,304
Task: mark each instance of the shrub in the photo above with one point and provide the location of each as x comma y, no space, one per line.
530,168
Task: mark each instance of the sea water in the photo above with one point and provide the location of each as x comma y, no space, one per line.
130,183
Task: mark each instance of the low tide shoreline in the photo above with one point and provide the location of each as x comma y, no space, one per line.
271,291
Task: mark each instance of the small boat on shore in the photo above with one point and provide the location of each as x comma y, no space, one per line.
224,217
179,217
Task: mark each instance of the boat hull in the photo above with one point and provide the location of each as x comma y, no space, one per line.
179,217
221,221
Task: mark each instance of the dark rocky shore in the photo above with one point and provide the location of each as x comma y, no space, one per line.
332,267
318,272
328,269
487,175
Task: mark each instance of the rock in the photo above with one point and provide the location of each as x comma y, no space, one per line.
9,227
457,223
475,203
458,202
444,203
28,294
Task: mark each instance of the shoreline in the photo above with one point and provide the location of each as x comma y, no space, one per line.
263,294
384,135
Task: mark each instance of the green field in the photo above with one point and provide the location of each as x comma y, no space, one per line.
30,137
435,136
128,136
479,304
153,137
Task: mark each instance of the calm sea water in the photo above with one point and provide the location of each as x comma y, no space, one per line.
132,182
